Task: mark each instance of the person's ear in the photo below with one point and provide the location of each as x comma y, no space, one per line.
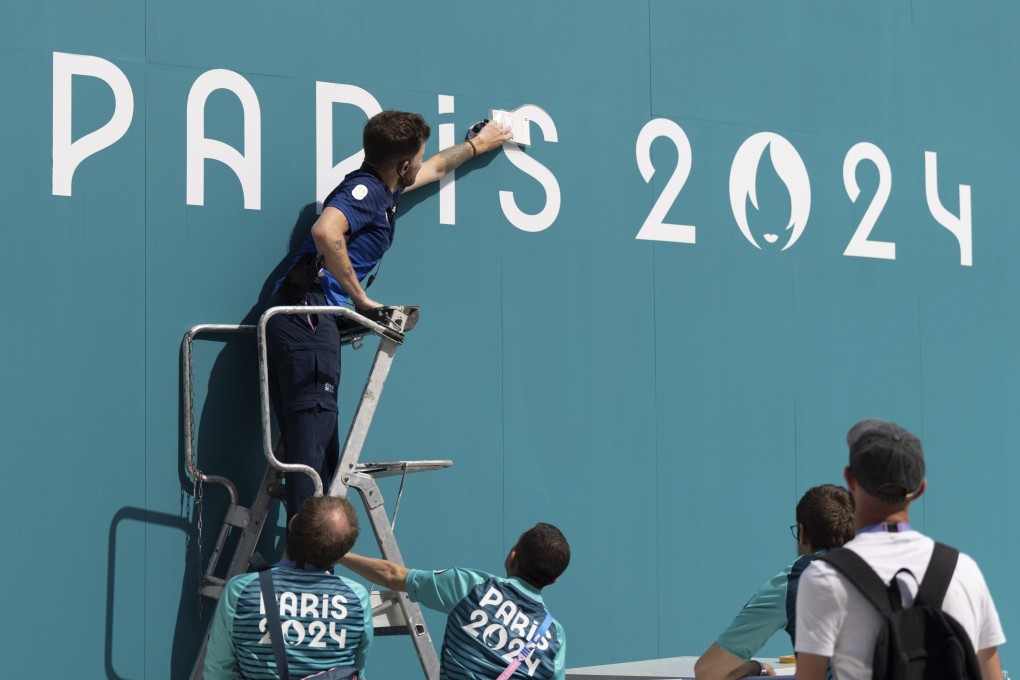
920,490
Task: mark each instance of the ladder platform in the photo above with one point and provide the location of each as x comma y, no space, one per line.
399,467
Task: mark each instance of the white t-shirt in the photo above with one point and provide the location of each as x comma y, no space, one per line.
835,620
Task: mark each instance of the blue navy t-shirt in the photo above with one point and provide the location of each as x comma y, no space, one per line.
371,209
490,621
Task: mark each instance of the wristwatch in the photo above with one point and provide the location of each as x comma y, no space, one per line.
761,667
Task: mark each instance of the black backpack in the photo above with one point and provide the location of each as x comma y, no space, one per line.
921,642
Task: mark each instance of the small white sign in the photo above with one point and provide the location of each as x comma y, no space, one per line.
519,125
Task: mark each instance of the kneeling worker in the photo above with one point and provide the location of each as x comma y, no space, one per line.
325,620
825,520
493,621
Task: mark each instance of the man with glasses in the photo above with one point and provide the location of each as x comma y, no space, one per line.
825,520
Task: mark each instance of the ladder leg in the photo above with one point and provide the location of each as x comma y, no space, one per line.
363,415
251,529
416,627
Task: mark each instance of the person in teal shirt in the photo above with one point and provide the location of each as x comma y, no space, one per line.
491,619
825,520
326,620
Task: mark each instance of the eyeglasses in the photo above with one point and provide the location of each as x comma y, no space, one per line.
793,530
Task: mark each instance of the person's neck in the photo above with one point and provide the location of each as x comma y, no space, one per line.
391,179
870,519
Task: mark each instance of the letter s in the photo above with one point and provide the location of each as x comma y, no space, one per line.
530,166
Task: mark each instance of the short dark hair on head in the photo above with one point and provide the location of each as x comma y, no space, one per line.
323,531
393,136
542,554
827,514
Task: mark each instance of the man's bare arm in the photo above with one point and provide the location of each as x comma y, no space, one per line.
811,666
718,664
991,666
330,235
381,572
492,136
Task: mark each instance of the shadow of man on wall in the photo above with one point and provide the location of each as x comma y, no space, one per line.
228,443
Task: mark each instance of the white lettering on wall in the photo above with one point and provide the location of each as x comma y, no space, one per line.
545,217
960,227
247,166
328,175
448,182
655,228
790,168
67,154
860,245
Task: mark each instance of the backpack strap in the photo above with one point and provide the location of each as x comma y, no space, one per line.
273,622
936,579
863,577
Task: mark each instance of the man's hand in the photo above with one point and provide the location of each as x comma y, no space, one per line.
491,136
366,304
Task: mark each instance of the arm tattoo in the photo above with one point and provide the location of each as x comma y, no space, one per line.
456,155
339,245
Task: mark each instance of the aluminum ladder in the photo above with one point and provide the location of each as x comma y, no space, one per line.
393,613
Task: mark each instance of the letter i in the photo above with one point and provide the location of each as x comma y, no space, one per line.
448,182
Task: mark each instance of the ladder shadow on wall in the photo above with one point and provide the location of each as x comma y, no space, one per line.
228,442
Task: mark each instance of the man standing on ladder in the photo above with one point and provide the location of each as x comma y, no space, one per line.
348,240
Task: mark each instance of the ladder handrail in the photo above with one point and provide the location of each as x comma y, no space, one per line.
189,410
267,442
250,520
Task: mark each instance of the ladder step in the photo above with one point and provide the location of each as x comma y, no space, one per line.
387,617
238,516
398,467
211,587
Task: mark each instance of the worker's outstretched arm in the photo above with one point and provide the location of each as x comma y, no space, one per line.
381,572
491,137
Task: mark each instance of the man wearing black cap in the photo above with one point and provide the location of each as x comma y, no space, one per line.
834,620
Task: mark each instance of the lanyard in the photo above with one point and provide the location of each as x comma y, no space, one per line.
892,527
528,648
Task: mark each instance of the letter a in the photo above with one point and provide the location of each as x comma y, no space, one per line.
247,166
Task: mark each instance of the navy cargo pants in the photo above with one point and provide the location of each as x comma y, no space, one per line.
304,374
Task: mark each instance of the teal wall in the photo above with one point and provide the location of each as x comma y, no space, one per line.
664,403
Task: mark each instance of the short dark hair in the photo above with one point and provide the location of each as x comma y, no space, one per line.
393,136
323,531
827,514
542,554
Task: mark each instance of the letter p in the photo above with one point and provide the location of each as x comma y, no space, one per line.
67,154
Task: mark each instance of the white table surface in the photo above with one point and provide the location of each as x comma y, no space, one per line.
674,668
